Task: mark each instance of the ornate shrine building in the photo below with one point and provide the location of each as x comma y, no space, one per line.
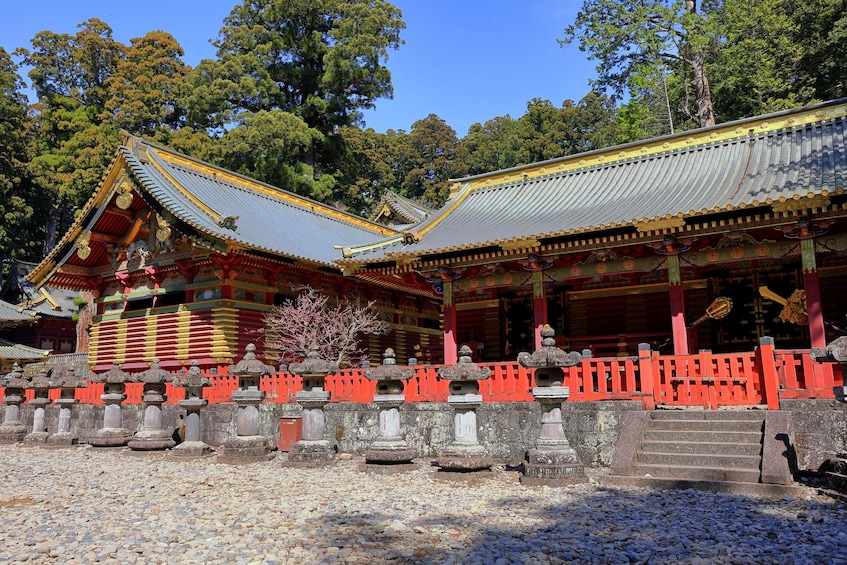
634,243
612,248
183,259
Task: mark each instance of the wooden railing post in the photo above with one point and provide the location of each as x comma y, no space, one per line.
770,378
645,370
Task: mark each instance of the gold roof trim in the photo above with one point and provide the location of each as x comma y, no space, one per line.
645,226
278,193
798,203
791,119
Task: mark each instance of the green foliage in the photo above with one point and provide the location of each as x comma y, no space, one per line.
267,147
145,87
820,33
20,205
755,70
319,61
430,157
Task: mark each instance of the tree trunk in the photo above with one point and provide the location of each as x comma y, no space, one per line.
705,109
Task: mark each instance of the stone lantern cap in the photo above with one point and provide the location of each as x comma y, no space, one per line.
836,351
154,375
193,378
68,377
113,376
465,369
389,370
42,380
313,365
15,378
548,355
250,366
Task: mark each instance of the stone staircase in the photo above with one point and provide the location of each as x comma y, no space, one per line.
719,450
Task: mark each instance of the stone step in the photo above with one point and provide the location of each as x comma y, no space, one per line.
749,489
705,460
752,448
697,473
706,425
703,436
707,415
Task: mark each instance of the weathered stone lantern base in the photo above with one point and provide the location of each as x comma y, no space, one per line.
389,453
464,454
313,450
191,449
110,437
311,453
464,458
12,432
240,450
151,440
62,439
553,468
552,462
36,438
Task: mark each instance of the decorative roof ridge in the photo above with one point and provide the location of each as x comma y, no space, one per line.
175,158
101,195
412,236
803,117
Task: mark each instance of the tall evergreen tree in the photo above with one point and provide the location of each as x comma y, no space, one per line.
20,206
320,60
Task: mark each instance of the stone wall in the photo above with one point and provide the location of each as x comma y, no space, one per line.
819,430
507,430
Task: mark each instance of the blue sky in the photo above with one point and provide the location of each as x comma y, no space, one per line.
465,60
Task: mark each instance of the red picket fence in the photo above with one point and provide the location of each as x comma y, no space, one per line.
761,377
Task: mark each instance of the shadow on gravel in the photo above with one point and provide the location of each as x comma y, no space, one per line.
628,526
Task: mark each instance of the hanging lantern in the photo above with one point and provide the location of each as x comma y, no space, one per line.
124,185
163,231
83,250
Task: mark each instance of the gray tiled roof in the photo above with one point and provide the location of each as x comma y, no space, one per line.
750,170
268,219
13,313
10,350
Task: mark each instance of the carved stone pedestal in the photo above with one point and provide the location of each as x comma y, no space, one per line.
193,403
67,383
389,453
248,446
40,385
13,430
313,449
464,454
151,436
552,462
112,434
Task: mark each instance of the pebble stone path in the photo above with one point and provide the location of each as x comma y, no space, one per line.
90,505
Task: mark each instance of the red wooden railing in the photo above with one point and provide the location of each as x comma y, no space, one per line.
703,379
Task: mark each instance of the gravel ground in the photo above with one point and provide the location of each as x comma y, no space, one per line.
89,505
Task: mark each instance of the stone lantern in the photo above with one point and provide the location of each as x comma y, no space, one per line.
389,452
13,430
247,446
552,461
152,436
67,382
193,382
835,351
312,449
112,434
40,384
464,453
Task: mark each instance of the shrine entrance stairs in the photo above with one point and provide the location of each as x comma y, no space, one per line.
735,451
